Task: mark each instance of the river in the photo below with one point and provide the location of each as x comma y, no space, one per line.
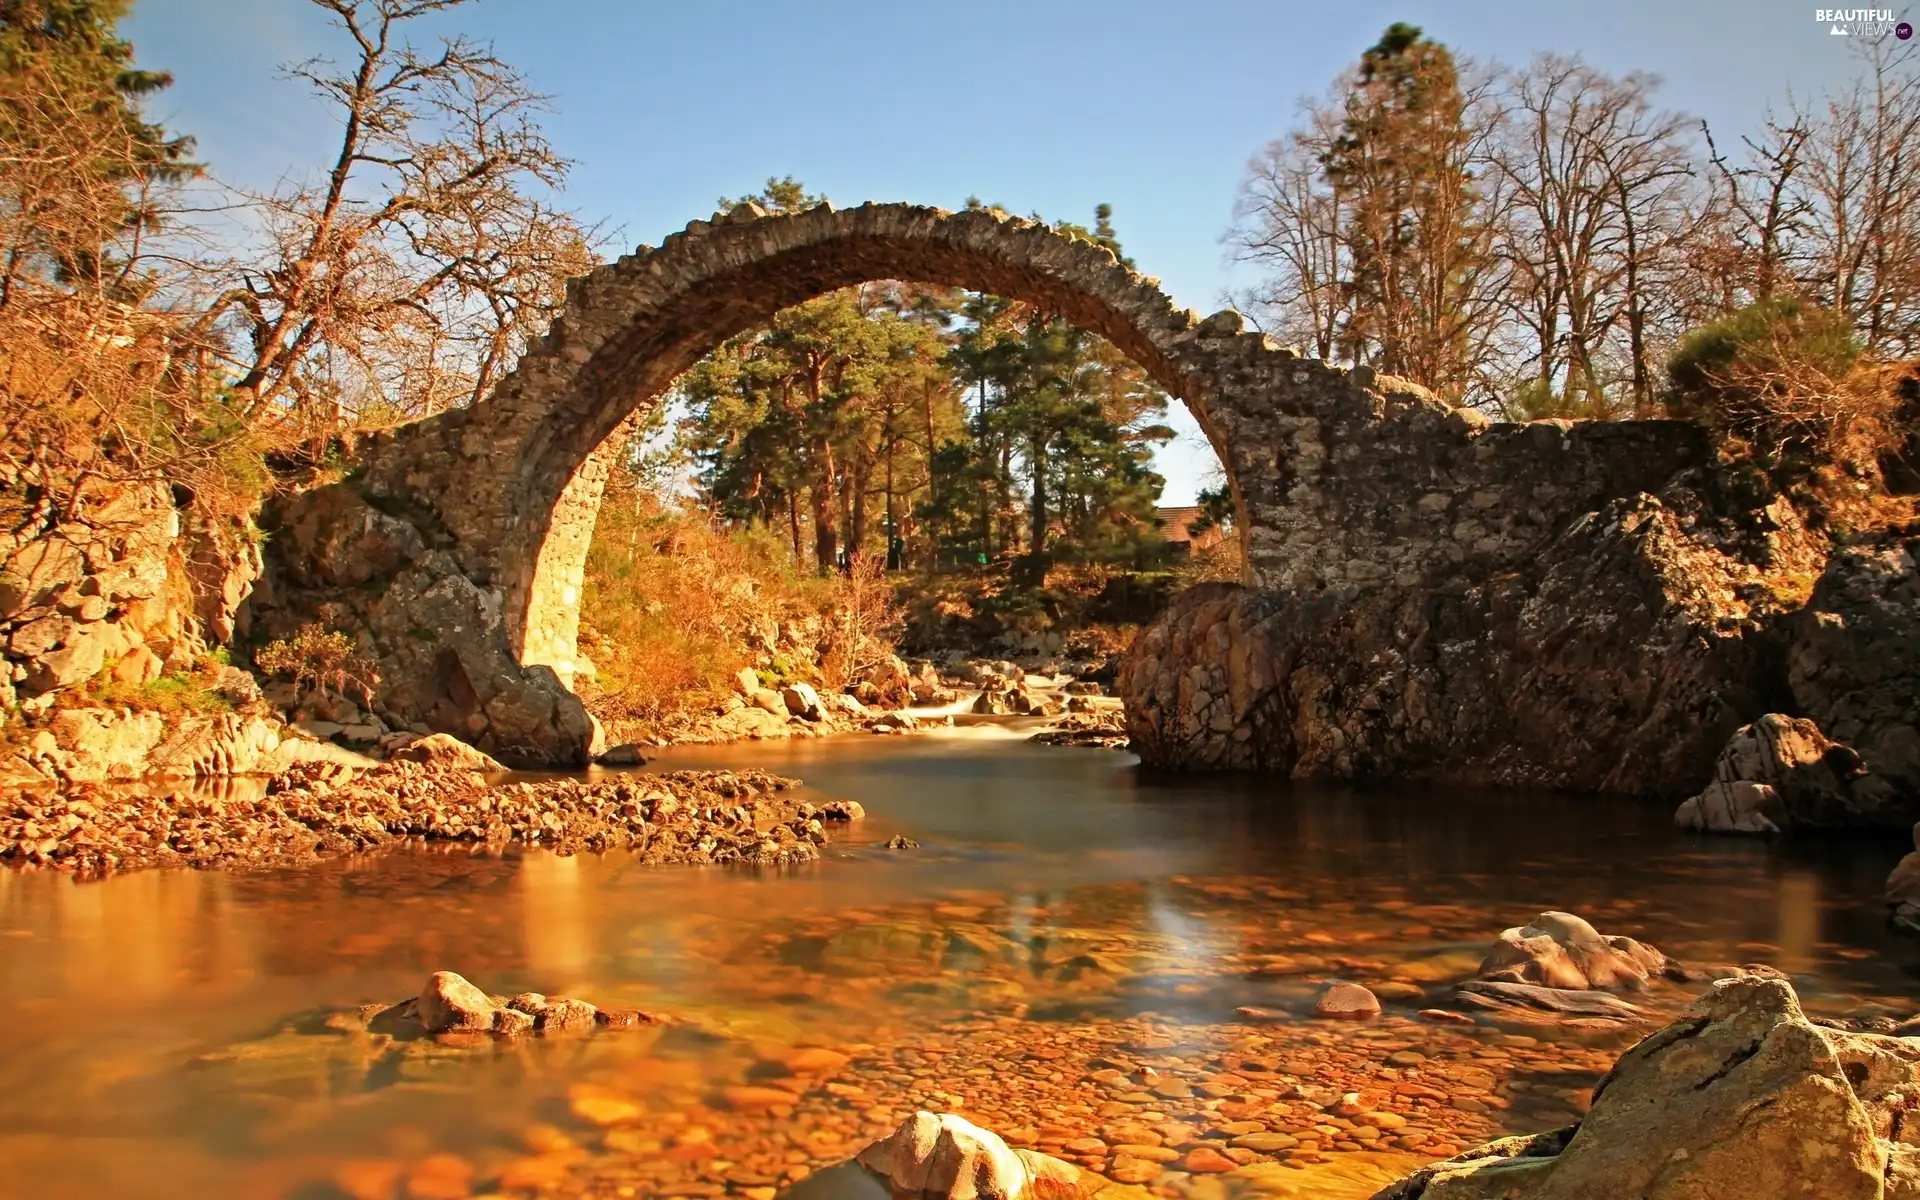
1063,907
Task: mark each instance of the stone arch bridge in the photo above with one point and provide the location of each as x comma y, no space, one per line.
458,543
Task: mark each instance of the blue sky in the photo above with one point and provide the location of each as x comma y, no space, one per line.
1049,106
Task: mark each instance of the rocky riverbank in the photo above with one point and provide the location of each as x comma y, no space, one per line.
899,696
1742,1096
316,811
1719,1103
1307,1110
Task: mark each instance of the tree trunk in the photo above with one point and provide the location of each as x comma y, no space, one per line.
1034,572
826,535
893,517
933,487
857,517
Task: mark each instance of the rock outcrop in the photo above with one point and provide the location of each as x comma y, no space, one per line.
439,639
100,745
440,750
113,579
1618,658
1780,772
1532,1004
1854,661
1741,1096
81,592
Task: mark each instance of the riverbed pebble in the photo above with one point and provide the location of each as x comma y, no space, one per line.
323,809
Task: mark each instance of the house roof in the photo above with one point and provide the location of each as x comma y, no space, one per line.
1174,527
1173,522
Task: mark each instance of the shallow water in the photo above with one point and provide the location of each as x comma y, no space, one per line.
138,1054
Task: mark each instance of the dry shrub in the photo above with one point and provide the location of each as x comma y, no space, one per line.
1224,561
865,621
97,395
319,658
1784,385
674,605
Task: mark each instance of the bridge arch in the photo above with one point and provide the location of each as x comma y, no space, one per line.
517,479
456,545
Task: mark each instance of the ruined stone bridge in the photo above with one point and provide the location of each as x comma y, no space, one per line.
458,543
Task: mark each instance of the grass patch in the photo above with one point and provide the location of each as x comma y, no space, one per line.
176,694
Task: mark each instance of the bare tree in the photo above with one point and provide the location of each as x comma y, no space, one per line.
1603,190
1761,212
1288,220
1863,182
1825,203
425,251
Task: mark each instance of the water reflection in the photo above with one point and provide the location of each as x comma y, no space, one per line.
1064,884
1799,890
558,940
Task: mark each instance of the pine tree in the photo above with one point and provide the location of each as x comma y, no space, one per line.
82,160
1401,168
975,424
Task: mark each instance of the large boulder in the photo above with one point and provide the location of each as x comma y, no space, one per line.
944,1157
992,704
84,650
889,683
751,722
221,744
1346,1001
448,1003
1779,772
802,701
1560,950
106,743
1741,1096
768,700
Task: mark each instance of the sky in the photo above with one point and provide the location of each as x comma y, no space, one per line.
1040,106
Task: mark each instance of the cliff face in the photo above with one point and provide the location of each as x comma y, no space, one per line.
1621,657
